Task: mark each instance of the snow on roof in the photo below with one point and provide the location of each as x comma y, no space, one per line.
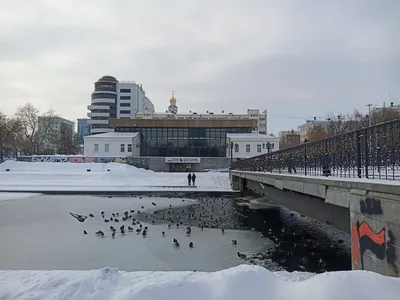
249,136
113,135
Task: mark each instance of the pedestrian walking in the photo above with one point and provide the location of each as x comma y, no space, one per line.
189,177
194,179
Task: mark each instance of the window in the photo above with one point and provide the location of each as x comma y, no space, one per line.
106,147
247,148
122,147
129,147
96,147
125,90
125,97
125,105
125,112
237,148
258,148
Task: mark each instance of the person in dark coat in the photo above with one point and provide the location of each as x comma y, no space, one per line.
194,179
189,178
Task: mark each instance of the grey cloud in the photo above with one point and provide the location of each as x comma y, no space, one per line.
295,58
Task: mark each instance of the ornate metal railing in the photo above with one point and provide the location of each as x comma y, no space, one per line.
372,152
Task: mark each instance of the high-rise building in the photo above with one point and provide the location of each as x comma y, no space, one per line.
83,129
112,99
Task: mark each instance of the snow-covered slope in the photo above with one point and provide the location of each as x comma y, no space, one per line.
242,282
74,176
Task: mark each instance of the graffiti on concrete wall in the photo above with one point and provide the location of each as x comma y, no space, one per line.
77,159
139,162
50,158
364,238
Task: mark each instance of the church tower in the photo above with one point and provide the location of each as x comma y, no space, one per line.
172,108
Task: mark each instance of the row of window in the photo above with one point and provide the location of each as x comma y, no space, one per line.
107,148
125,90
125,104
248,148
125,97
124,111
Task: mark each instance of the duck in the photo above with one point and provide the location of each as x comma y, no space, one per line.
113,234
142,206
91,215
140,225
122,232
144,233
138,230
111,219
132,211
102,212
79,217
106,220
84,232
191,245
234,242
116,220
130,228
138,212
169,226
99,232
152,221
163,233
122,227
222,230
153,203
241,255
112,228
145,228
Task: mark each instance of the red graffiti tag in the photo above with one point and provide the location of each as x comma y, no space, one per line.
355,249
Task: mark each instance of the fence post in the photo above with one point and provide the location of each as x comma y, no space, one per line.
358,153
305,159
366,151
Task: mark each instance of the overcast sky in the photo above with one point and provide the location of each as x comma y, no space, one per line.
297,59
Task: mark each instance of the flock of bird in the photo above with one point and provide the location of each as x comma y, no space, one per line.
128,216
207,212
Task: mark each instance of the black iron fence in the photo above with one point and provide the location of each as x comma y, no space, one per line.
372,152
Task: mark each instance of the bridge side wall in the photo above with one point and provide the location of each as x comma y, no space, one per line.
372,212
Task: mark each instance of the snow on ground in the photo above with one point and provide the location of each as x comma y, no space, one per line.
242,282
39,176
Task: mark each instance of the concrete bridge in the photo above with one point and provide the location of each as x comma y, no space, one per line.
368,209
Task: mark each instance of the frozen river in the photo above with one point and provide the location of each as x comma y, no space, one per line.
39,233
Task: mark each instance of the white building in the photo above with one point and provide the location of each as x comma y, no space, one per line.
309,125
112,144
247,145
112,99
172,113
52,128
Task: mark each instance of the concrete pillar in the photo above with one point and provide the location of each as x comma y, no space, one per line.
236,183
375,232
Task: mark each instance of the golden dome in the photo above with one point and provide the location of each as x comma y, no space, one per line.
172,100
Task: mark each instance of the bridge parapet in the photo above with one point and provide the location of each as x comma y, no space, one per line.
372,152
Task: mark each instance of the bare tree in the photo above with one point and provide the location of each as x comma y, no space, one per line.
66,141
316,133
36,127
341,123
9,129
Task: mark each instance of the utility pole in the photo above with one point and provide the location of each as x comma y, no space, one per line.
369,115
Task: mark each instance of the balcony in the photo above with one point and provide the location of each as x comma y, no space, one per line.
101,130
98,114
98,121
103,100
92,107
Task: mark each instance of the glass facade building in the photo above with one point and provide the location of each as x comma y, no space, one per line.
183,139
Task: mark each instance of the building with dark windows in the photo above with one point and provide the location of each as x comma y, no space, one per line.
83,129
183,137
112,99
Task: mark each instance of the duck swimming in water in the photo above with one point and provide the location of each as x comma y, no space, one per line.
113,234
241,255
138,230
144,233
163,233
91,215
84,232
130,228
191,245
234,242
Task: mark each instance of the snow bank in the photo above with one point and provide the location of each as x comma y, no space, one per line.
242,282
74,176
